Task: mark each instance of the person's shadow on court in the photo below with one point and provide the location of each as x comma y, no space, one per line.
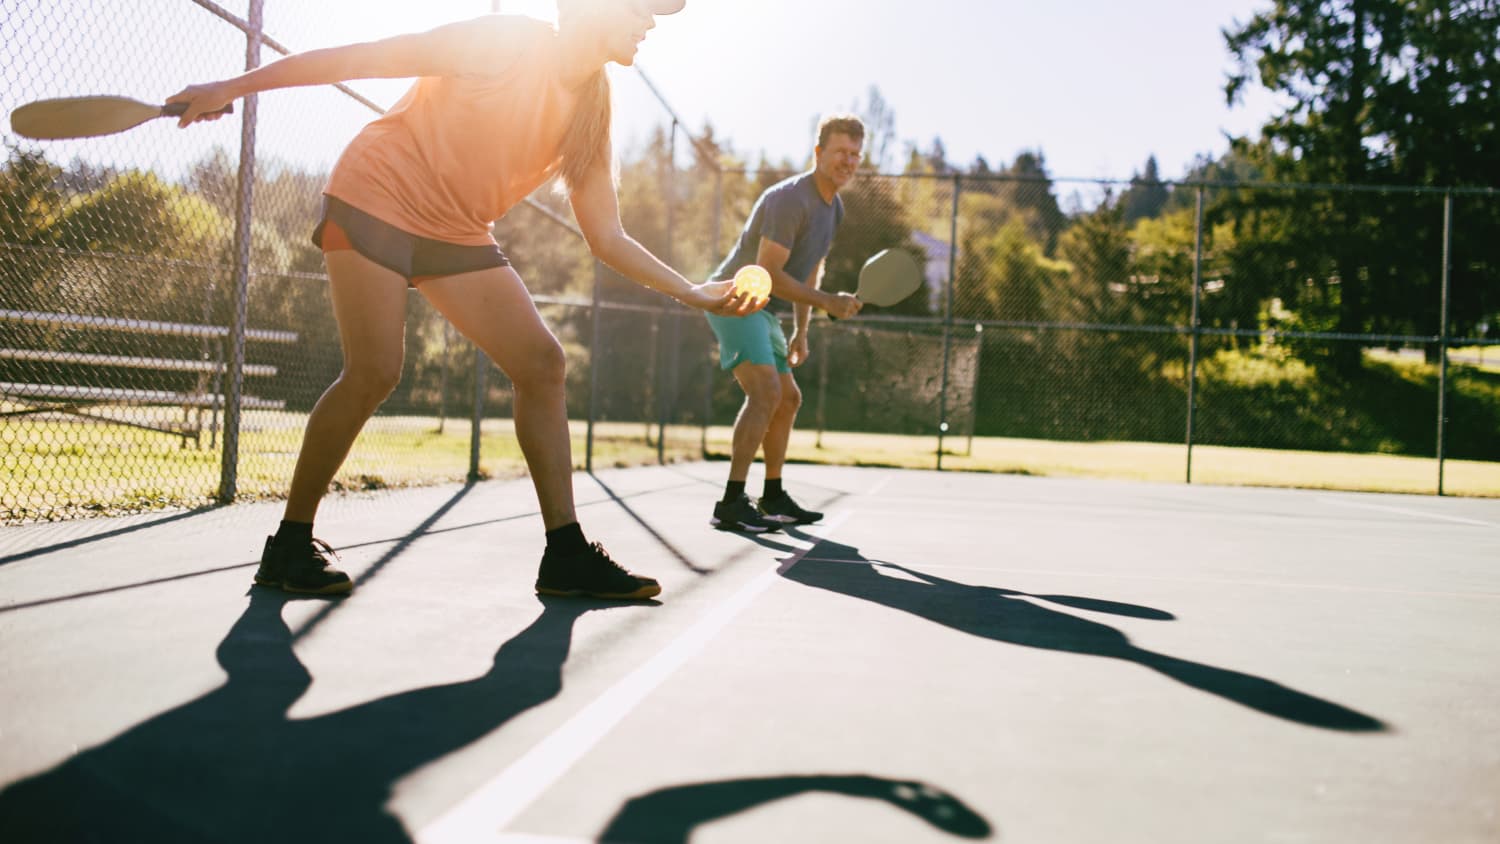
1005,615
231,766
671,815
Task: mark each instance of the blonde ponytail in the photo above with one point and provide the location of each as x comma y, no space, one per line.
586,141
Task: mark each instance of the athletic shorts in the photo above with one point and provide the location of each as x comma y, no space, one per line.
417,259
756,338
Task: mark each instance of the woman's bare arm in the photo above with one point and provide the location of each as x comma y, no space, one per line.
596,207
468,47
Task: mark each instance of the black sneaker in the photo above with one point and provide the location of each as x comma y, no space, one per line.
591,574
740,515
781,508
300,568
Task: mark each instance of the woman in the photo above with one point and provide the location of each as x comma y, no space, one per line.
503,103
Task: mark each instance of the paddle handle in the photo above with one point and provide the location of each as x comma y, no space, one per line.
177,109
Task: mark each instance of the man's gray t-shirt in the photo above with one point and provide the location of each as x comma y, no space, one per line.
793,214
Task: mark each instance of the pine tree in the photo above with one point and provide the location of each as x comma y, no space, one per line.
1379,92
1147,196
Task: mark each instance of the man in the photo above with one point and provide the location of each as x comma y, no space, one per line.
789,233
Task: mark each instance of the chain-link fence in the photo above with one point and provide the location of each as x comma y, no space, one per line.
164,318
1325,336
165,327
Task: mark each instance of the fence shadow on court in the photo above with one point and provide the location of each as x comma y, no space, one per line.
672,815
232,766
32,550
1016,618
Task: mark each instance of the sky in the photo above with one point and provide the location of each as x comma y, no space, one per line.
1096,86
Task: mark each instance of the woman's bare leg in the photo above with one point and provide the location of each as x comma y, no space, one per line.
369,303
493,308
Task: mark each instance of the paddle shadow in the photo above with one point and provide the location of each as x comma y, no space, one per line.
670,815
1016,618
231,766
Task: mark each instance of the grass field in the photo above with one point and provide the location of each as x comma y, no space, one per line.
1158,462
1486,358
61,468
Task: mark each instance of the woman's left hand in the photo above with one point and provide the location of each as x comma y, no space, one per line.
720,297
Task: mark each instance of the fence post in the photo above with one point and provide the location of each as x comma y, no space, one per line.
244,202
211,349
653,375
667,400
443,378
948,317
1192,373
713,253
671,393
974,386
1442,409
708,405
481,368
823,384
588,449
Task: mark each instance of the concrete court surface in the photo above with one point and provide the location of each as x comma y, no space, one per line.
946,657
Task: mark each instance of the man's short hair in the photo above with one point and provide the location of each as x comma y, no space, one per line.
842,124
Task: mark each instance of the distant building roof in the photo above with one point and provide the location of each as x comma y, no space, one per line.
937,253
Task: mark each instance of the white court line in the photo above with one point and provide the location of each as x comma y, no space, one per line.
484,814
1406,511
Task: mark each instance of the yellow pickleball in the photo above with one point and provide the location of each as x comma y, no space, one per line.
754,281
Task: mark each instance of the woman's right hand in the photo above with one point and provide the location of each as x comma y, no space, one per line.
204,102
720,297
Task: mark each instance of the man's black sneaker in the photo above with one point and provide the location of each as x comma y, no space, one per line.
781,508
304,569
591,574
740,515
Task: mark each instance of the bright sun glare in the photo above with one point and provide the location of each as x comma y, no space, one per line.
543,9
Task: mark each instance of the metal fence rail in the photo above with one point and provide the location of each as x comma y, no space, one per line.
164,325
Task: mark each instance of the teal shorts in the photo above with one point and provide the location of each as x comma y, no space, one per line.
756,338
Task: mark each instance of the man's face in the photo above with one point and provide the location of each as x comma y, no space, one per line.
839,158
